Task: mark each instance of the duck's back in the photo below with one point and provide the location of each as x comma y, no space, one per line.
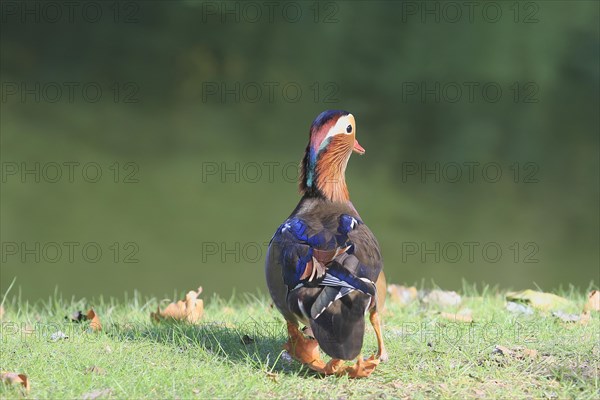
335,313
322,216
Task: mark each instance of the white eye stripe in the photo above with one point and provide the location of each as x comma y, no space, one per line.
340,127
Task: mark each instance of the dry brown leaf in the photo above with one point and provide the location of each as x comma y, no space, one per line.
11,378
503,351
517,352
531,353
401,294
95,324
190,310
466,317
79,316
593,303
585,318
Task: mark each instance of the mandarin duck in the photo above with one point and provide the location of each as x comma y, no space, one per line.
323,265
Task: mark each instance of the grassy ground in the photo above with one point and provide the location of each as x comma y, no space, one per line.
236,353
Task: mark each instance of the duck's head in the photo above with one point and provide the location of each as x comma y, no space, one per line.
332,141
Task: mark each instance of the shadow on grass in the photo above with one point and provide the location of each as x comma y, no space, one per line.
256,344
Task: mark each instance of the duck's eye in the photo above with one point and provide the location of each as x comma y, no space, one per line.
349,129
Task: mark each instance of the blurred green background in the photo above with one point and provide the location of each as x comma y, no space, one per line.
195,114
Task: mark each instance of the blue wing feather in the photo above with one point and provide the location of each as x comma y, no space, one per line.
297,250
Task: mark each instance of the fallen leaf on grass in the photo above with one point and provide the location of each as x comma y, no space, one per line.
585,318
190,310
503,351
531,353
95,325
540,300
96,394
442,298
401,294
95,370
518,352
80,316
458,317
593,303
11,378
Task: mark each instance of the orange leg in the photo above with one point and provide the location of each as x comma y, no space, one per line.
306,351
334,366
362,368
303,349
376,322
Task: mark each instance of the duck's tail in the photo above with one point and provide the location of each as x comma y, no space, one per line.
340,328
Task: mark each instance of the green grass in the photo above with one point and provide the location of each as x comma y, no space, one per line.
429,357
